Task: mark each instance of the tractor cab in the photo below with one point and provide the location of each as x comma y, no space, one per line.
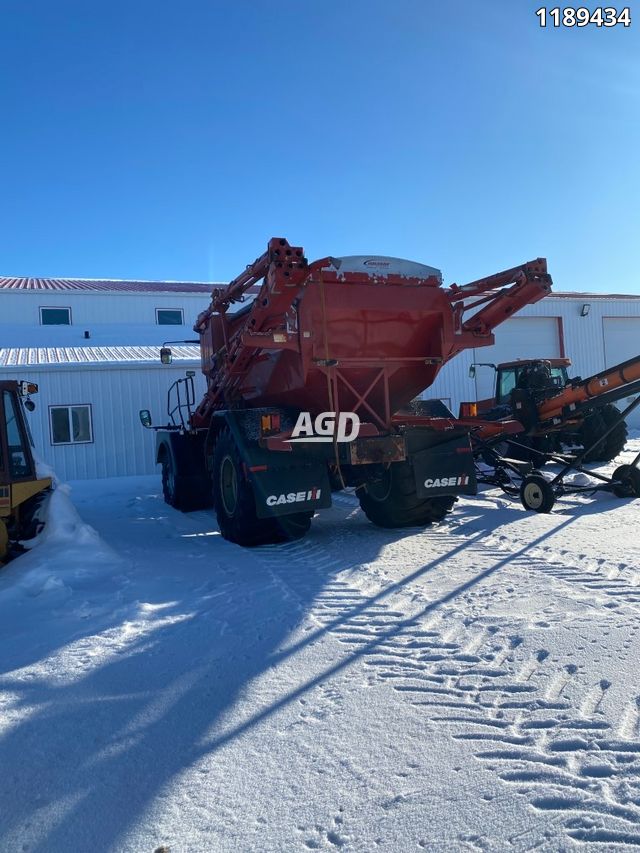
539,374
545,377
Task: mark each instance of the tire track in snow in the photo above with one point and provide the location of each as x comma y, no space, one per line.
614,579
561,753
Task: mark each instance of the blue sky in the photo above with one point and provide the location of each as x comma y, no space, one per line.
171,140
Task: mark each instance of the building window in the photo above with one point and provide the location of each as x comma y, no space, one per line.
70,424
169,317
55,316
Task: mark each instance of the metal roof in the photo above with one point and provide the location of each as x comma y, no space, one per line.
569,294
16,356
135,286
105,285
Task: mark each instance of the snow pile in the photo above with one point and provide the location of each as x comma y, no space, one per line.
63,524
65,555
43,469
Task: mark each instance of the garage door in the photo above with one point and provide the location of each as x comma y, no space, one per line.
622,342
521,337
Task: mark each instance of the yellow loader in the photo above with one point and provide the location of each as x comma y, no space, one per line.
23,495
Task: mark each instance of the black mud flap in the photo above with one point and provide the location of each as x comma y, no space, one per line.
284,491
446,469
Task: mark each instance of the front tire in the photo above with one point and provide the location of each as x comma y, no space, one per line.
32,515
393,502
235,505
173,489
183,493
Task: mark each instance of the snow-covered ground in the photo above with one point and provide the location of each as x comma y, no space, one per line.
474,686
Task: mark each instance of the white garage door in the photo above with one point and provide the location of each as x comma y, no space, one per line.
622,342
521,337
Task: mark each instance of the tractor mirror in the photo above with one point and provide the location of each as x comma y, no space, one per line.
145,418
29,405
166,356
472,372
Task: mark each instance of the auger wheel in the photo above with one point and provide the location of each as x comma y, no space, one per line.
536,494
626,481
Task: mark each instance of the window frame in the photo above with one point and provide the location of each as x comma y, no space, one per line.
180,310
42,308
515,372
70,406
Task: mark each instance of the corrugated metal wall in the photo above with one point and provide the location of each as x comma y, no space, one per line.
87,308
121,446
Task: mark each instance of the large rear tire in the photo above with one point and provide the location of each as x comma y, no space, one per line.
235,505
595,425
393,501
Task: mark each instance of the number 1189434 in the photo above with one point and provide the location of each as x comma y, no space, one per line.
570,16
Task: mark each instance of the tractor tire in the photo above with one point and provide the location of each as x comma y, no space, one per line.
28,522
593,427
235,505
32,514
393,502
537,494
629,482
172,490
4,542
615,442
184,494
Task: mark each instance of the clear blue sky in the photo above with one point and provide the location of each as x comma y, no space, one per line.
158,139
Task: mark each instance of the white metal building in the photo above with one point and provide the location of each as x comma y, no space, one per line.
86,423
92,347
49,312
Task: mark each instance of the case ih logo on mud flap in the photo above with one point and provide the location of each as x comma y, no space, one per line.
294,497
445,482
328,427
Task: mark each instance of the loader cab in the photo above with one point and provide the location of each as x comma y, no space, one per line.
23,494
16,457
520,374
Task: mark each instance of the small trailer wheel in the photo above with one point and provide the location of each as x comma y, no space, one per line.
536,493
629,482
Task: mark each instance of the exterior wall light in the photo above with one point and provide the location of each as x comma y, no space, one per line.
584,311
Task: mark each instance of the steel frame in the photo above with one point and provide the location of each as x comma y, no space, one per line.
510,485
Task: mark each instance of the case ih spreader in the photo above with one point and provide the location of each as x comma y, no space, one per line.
512,437
309,390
